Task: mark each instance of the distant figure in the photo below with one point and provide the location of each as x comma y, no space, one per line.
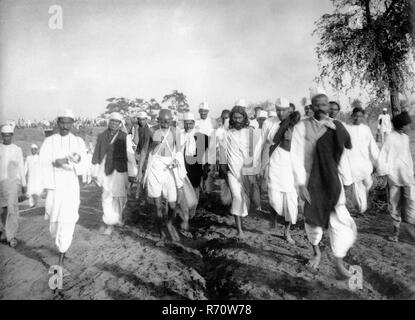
308,111
334,109
395,162
261,117
33,171
12,178
384,124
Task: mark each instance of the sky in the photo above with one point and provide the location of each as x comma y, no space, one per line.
217,51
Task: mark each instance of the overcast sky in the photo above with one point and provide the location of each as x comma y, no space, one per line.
216,50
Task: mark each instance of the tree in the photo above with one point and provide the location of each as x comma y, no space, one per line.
370,40
178,102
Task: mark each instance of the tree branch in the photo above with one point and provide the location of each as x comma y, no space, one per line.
390,8
367,12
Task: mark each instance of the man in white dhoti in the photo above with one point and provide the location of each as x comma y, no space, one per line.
384,125
315,140
12,178
207,126
62,157
243,155
362,158
160,177
110,171
281,189
395,162
33,173
131,147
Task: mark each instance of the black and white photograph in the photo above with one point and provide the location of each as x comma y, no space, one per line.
226,150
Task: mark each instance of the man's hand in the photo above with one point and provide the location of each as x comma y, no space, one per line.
304,194
58,163
139,177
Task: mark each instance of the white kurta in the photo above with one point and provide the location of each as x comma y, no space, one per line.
386,125
243,154
11,178
62,185
362,158
132,165
33,170
342,228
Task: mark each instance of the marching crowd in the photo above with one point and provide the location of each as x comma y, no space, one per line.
305,164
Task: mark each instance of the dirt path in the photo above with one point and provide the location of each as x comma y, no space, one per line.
213,265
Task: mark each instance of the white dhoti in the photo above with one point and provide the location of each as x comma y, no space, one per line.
114,194
9,191
62,232
240,198
160,179
61,208
282,195
342,229
360,190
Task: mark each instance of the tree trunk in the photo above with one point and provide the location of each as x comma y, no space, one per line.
394,95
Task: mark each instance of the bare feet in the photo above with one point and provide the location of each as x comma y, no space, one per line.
13,242
241,235
173,232
108,230
393,238
342,272
289,238
314,261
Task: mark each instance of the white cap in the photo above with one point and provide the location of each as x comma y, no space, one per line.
142,115
116,116
34,146
316,91
204,106
240,103
385,109
282,102
262,114
7,129
188,116
272,113
66,113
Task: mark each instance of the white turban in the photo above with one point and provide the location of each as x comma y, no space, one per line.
282,102
240,103
66,113
142,115
188,116
116,116
316,91
262,114
7,129
34,146
272,113
204,106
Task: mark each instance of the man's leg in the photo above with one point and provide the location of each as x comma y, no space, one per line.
395,210
314,234
159,217
3,224
170,219
238,223
256,196
409,210
12,218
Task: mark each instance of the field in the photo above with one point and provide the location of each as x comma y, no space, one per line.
212,265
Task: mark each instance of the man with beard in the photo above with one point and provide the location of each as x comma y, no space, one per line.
62,156
243,152
12,178
317,146
110,171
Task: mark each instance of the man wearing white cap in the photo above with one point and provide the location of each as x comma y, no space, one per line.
111,171
142,139
207,126
12,177
316,150
33,171
62,157
261,117
281,190
384,124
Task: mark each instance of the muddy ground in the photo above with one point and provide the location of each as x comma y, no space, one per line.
212,265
